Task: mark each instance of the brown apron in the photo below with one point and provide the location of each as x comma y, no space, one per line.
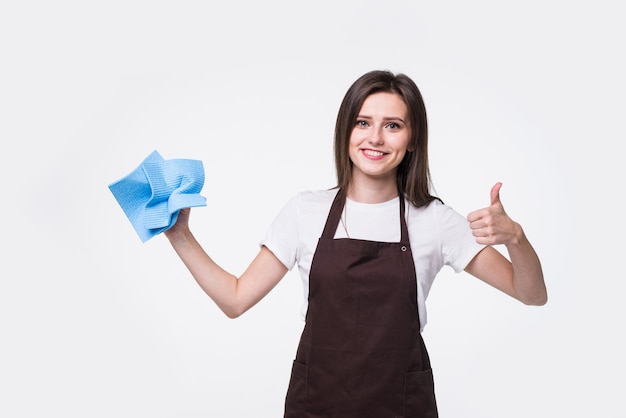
361,353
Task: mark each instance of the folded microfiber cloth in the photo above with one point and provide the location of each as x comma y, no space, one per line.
153,194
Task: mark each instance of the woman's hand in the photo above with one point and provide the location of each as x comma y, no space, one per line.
181,226
492,226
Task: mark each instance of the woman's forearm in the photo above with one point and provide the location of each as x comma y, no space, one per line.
528,278
217,283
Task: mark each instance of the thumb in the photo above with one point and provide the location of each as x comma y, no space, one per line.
495,194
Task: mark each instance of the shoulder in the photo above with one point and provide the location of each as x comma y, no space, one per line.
305,205
438,221
441,210
435,211
312,201
317,196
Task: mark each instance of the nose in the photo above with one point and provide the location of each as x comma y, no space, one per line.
376,136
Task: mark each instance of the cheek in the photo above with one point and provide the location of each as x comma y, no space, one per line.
354,143
354,138
352,151
408,144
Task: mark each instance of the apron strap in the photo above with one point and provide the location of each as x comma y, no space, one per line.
334,216
404,230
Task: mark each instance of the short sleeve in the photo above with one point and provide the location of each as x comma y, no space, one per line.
281,237
458,244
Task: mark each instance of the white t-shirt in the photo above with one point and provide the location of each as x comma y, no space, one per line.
438,235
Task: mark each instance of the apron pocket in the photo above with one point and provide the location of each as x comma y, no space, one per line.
297,392
419,395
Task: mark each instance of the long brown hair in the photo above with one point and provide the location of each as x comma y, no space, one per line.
413,176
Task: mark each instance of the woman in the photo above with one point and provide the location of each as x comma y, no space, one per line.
368,252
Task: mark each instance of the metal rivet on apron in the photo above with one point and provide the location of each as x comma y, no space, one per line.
403,248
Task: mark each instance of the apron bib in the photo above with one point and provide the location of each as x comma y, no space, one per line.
361,353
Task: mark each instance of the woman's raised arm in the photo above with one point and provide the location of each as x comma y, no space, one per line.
233,295
522,277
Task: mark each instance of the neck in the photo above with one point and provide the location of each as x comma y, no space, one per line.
372,192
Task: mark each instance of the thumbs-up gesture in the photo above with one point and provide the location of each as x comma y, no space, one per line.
491,225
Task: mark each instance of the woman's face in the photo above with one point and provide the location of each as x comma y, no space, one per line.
380,137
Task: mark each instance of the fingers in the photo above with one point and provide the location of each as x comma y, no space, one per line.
483,233
481,223
477,215
491,225
494,201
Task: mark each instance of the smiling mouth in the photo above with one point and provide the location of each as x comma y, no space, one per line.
373,153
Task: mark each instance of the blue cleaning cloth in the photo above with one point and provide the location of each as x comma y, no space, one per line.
155,192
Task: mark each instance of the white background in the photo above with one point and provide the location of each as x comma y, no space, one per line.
93,323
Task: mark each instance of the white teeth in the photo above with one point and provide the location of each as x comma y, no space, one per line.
373,153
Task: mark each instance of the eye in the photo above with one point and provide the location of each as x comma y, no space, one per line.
361,123
393,125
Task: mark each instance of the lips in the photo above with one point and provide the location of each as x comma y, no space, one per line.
373,154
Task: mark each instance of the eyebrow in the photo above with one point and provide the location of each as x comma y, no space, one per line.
386,118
